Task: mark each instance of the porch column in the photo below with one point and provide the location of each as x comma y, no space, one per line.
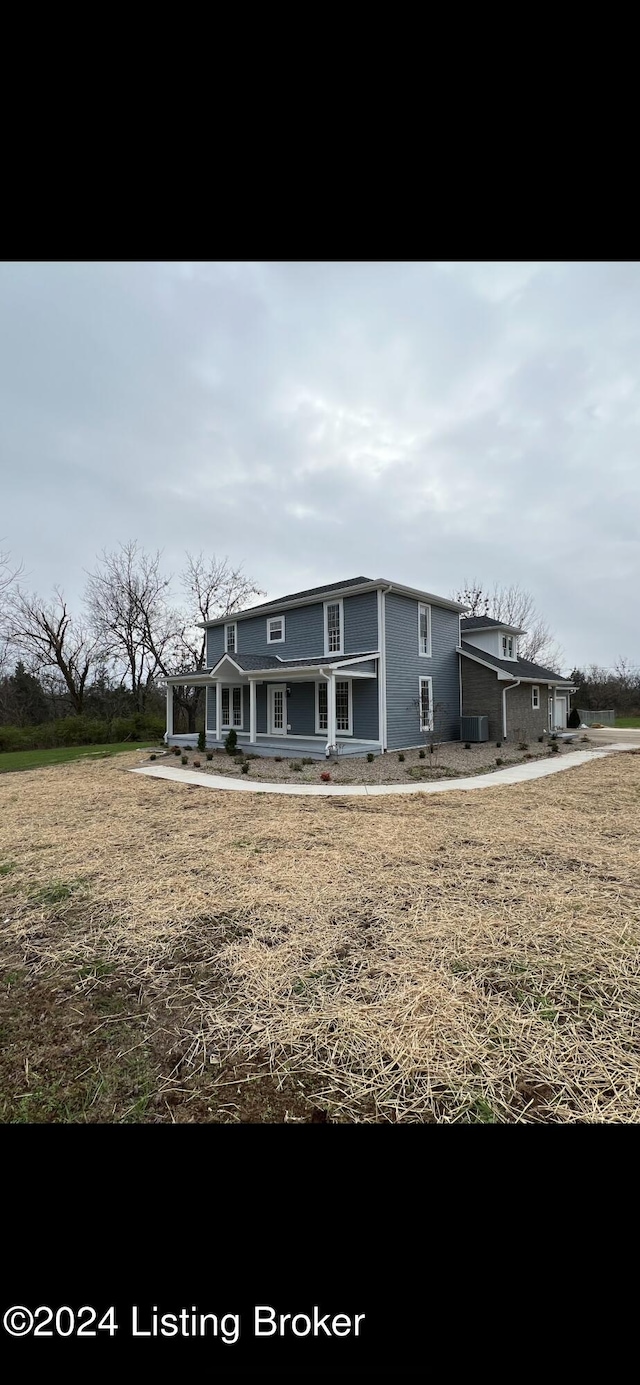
218,711
169,730
331,710
252,711
554,714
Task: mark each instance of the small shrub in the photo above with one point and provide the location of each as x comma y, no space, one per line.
209,754
421,753
523,745
251,755
467,745
555,748
370,758
499,760
152,757
325,776
202,741
498,744
296,765
431,749
574,717
401,756
529,756
277,759
184,759
585,738
176,749
307,760
541,739
245,767
230,742
196,764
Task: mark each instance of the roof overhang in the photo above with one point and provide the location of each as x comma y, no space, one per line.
516,676
274,607
495,625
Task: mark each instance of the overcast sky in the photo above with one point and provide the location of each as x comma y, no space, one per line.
422,422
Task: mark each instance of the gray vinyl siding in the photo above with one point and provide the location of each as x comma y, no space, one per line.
304,631
405,667
365,709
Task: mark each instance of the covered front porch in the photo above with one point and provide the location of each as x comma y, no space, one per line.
286,711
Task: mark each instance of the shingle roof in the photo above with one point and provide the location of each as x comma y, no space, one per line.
517,668
249,662
484,623
300,596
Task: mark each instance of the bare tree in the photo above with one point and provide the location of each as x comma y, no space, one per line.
9,576
132,610
49,638
516,607
127,601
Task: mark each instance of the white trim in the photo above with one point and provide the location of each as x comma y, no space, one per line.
382,670
424,653
341,731
507,640
535,694
231,625
426,678
336,601
218,711
231,725
271,689
169,729
253,715
216,666
524,678
270,620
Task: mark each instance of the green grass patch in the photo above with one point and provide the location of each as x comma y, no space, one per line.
627,721
13,760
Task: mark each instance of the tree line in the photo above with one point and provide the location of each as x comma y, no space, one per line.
135,625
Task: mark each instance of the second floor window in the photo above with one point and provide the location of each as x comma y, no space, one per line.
230,638
333,627
424,630
507,646
275,630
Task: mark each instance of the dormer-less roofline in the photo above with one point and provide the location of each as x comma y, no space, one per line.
334,594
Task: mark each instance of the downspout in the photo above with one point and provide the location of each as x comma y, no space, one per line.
504,705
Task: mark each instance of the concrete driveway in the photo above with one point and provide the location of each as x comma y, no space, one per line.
614,735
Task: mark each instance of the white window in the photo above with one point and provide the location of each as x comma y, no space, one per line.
333,627
275,630
231,637
322,707
424,630
343,706
231,707
535,698
426,704
507,647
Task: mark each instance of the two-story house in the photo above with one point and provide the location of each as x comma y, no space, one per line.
356,666
365,665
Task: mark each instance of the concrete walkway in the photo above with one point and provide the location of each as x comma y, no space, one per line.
515,774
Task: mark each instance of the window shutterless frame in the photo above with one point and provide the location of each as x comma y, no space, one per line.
231,637
231,707
275,630
425,695
333,627
535,698
424,630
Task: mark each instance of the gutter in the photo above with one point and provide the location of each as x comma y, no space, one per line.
504,706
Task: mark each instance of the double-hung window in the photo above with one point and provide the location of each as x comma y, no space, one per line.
535,698
231,637
275,630
424,630
322,706
507,646
426,704
333,627
231,707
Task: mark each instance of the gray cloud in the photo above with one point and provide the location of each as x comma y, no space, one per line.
428,422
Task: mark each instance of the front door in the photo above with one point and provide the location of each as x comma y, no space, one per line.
277,709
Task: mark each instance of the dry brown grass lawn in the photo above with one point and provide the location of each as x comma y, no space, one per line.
458,957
